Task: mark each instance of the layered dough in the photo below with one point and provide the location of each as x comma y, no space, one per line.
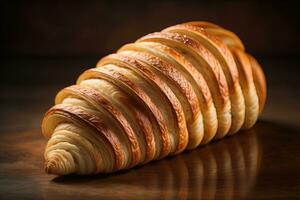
169,91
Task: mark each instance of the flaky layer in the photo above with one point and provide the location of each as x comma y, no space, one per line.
167,92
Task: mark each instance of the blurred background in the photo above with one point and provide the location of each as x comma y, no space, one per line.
47,44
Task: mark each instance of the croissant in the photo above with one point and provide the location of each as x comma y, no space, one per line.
169,91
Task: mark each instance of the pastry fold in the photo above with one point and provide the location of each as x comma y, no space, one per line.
169,91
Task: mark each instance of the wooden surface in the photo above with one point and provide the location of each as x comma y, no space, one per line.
262,163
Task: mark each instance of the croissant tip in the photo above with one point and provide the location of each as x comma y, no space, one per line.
57,167
49,167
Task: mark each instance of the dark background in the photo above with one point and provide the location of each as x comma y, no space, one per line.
95,28
47,44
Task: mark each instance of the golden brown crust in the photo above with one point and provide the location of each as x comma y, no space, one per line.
201,88
227,63
190,104
203,24
216,47
259,81
248,87
206,55
229,38
174,75
132,63
216,80
78,115
123,82
136,115
177,80
142,120
145,126
244,63
188,66
96,99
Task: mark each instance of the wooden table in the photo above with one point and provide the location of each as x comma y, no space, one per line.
262,163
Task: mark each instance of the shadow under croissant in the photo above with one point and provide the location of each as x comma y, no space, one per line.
226,169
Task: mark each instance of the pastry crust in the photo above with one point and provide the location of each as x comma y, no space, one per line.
77,115
167,92
98,101
206,64
248,88
141,96
196,80
229,38
259,81
184,92
181,137
225,58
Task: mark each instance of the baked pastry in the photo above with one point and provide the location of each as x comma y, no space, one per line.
169,91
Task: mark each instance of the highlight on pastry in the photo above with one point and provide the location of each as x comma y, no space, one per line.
169,91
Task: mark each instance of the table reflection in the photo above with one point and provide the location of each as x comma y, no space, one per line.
226,169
